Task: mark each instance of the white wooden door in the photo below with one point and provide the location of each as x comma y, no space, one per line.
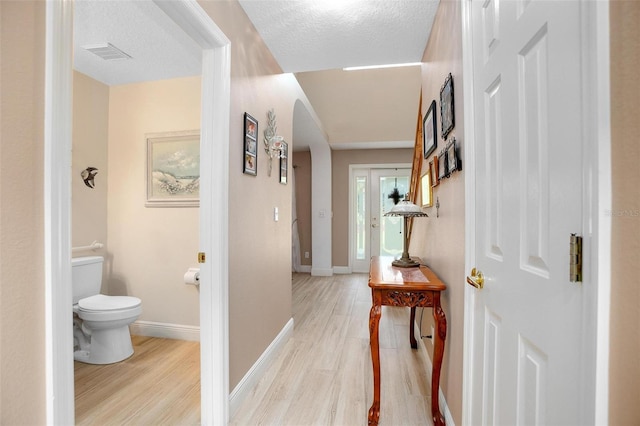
526,328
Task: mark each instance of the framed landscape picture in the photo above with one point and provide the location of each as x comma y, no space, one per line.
173,169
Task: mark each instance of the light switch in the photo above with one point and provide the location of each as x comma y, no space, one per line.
275,214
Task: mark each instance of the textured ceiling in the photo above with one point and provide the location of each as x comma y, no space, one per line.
158,48
309,37
312,35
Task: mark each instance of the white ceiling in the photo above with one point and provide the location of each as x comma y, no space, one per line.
303,35
159,49
313,35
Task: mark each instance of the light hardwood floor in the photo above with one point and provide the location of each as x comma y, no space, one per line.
158,385
321,377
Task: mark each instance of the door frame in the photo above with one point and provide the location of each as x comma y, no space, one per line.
352,225
597,200
214,301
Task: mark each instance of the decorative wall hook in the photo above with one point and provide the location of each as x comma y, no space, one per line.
273,144
88,176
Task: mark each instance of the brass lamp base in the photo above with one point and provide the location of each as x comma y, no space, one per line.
405,263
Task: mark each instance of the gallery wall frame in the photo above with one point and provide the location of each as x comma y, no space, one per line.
250,157
447,114
284,163
426,189
429,131
173,169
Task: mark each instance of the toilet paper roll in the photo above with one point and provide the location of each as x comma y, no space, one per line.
192,276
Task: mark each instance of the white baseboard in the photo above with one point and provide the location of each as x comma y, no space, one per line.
305,269
168,331
444,408
317,272
341,270
255,373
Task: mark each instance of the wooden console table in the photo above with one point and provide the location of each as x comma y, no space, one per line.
409,287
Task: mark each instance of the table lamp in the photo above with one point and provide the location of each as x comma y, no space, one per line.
406,209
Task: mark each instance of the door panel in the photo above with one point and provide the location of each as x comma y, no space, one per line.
528,111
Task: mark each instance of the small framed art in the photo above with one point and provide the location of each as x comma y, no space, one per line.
426,189
429,131
446,107
442,165
250,157
284,163
433,170
452,157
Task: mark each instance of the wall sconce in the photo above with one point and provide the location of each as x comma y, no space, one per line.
273,144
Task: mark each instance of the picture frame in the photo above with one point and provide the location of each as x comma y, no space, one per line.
442,165
173,169
452,157
426,189
447,115
429,131
284,163
433,170
250,157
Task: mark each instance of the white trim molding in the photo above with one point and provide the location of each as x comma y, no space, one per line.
258,369
166,330
341,269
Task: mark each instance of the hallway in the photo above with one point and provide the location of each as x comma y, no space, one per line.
323,375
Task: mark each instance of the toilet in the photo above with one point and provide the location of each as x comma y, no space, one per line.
101,324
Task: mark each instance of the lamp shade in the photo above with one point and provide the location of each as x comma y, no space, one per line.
406,208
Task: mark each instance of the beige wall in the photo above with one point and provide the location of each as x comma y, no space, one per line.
150,248
624,380
90,129
22,308
336,94
302,162
259,247
340,161
440,240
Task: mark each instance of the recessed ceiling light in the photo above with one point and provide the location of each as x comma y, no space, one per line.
371,67
107,51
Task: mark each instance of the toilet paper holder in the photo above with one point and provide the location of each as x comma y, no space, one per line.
192,276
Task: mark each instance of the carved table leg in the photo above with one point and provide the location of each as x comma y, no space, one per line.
439,337
412,332
374,321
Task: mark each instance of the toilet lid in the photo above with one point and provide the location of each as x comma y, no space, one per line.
100,302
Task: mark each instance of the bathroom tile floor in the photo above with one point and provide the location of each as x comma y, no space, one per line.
159,384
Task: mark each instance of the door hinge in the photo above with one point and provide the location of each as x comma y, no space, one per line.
575,259
201,257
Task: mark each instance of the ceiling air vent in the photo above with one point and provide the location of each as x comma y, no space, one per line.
107,51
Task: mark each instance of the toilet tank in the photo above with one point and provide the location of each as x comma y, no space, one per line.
86,276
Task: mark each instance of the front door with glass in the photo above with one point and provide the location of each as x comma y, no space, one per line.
375,192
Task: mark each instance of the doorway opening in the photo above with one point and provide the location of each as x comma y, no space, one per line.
214,156
373,191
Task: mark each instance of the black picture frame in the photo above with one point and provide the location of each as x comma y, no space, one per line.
442,165
452,157
284,163
447,115
429,131
250,144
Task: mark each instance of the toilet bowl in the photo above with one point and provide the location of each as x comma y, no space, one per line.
101,322
105,325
